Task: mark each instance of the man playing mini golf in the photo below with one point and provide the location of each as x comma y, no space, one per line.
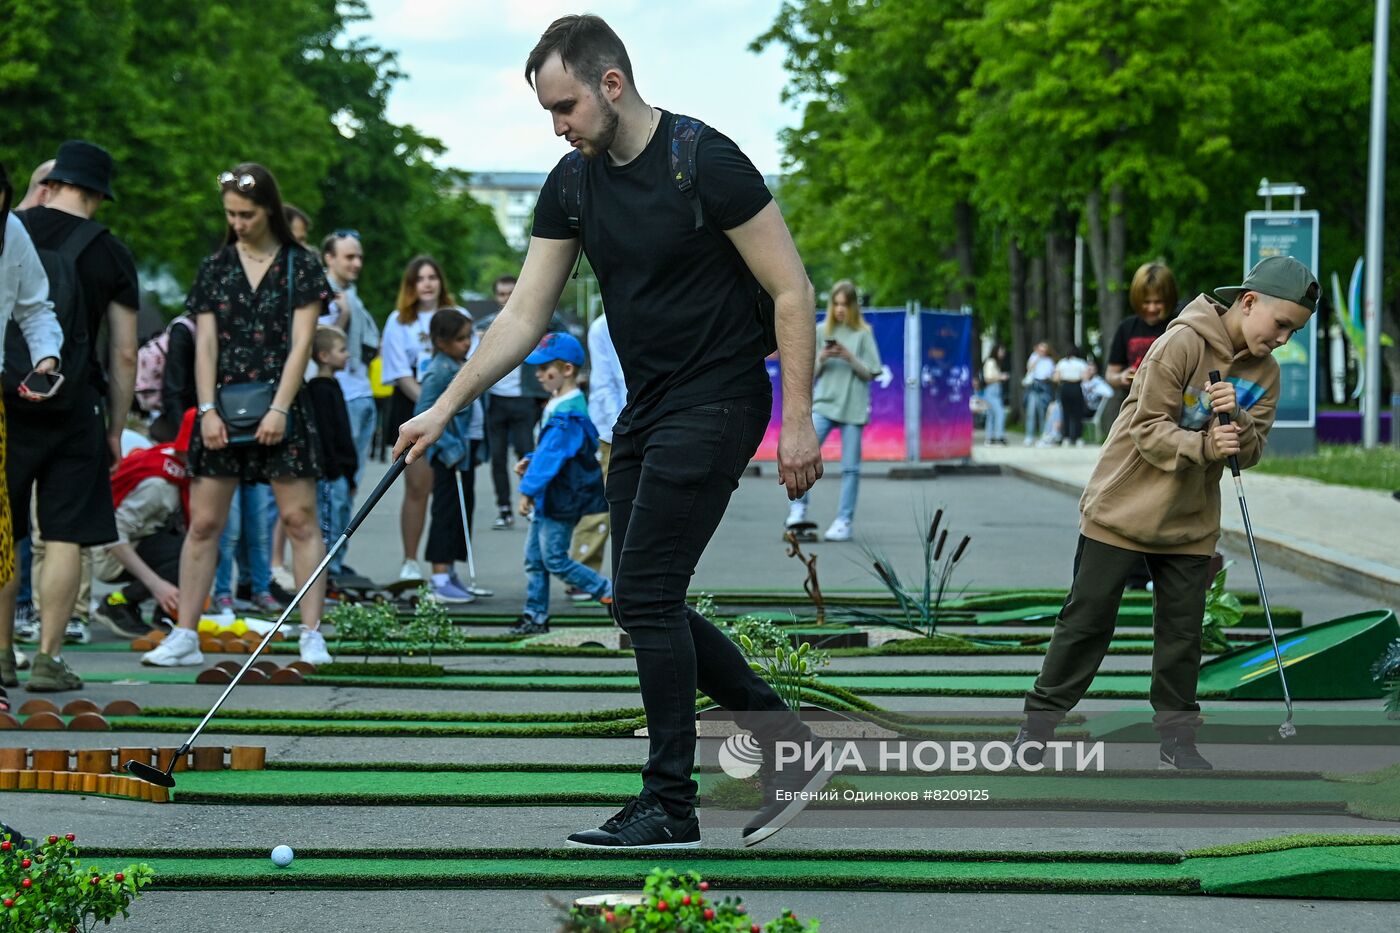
677,269
1155,493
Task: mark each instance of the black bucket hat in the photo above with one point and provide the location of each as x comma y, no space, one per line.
85,165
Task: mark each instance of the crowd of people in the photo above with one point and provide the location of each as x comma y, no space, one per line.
257,413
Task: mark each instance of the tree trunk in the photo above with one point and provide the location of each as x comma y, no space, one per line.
1059,276
1390,324
1112,312
965,291
1019,349
1035,299
1098,259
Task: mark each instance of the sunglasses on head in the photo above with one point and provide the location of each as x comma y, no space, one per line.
244,182
348,232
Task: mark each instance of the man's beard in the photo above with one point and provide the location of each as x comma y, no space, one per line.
606,136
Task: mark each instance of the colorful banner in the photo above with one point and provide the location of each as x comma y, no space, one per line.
945,386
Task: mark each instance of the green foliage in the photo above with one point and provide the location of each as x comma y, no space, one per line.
432,625
921,608
375,626
769,651
48,888
673,902
1386,671
1223,610
1342,464
179,92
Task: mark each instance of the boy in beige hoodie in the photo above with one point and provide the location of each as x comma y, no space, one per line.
1155,493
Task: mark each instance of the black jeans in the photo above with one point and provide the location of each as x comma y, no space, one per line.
1072,409
509,422
1087,620
668,485
447,542
161,552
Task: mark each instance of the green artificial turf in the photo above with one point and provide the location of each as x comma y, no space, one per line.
1354,869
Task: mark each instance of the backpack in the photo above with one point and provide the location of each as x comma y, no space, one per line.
66,293
150,365
685,139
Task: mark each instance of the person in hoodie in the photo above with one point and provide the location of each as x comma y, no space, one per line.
560,482
1155,494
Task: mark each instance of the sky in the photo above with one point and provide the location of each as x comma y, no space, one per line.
465,62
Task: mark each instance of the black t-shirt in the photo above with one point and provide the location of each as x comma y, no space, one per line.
1132,340
338,455
106,269
680,308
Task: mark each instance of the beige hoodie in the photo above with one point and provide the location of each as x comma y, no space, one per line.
1156,487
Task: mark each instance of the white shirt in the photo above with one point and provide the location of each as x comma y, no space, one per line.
1041,368
24,294
406,349
1071,369
607,390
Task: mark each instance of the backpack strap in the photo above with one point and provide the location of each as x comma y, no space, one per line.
685,140
571,190
78,239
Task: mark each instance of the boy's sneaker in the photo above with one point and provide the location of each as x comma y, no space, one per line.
26,623
76,632
840,530
313,647
528,625
222,606
504,520
578,595
410,572
797,515
452,592
1181,755
266,603
122,619
642,824
1033,744
50,675
179,649
9,668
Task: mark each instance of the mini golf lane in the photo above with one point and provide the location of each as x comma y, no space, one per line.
1378,797
1341,867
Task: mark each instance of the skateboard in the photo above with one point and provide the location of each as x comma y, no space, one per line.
803,531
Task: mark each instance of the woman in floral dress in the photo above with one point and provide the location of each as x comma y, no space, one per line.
255,302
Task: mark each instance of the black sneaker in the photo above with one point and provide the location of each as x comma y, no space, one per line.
642,824
526,625
1181,754
122,619
781,809
505,519
1033,744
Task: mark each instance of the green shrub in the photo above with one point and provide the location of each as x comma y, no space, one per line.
47,889
674,902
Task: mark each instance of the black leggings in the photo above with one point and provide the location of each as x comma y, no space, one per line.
1072,408
446,542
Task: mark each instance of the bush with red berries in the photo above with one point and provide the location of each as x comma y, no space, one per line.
46,888
680,903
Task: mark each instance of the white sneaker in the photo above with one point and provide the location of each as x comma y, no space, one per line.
26,623
797,515
76,632
313,647
21,660
1079,443
410,572
179,649
283,578
840,530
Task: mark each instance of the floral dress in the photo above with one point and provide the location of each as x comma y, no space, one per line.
255,337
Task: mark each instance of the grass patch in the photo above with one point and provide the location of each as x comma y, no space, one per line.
1342,465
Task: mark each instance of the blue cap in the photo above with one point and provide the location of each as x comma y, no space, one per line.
557,346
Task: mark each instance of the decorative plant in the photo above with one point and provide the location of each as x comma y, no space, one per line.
811,585
1222,611
674,902
374,626
431,625
49,889
1386,670
921,606
768,649
706,606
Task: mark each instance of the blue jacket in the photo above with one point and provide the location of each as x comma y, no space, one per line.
563,476
453,449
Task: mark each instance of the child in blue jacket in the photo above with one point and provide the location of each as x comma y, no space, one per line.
560,483
454,457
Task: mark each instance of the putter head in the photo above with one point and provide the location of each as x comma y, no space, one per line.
1287,730
150,775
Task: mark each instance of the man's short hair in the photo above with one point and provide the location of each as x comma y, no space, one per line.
504,280
326,338
332,241
587,46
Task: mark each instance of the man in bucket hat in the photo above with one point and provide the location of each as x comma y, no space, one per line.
68,443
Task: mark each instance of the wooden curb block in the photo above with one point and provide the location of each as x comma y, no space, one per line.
306,667
248,758
122,708
80,705
95,760
143,755
44,720
214,676
89,722
43,780
90,783
9,779
209,758
253,676
229,667
287,676
37,705
8,722
14,759
164,756
47,759
267,667
28,780
143,644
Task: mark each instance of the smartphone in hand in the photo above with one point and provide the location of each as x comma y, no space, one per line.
37,386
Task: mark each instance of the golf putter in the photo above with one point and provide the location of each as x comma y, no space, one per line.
164,778
1287,730
467,534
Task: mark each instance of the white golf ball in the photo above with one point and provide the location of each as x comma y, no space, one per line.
282,856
